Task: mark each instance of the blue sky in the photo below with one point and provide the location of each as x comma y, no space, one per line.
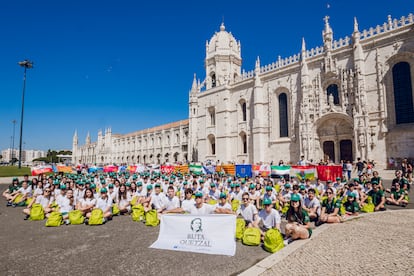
129,64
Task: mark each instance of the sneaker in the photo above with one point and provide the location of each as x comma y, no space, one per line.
318,223
86,221
9,204
26,217
14,205
67,222
287,241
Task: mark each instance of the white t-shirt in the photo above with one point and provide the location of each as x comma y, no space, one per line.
312,204
187,203
44,201
87,202
171,203
225,206
64,205
158,200
38,192
103,204
123,202
270,219
27,191
205,209
247,212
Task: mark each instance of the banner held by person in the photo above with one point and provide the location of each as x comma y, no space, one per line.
209,234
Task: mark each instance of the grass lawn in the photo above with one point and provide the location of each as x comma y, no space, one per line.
14,171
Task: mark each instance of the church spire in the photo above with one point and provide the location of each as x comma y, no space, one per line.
194,86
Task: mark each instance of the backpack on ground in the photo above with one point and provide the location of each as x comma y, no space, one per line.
251,236
137,212
96,217
37,212
151,218
235,205
240,227
55,219
76,217
115,210
273,241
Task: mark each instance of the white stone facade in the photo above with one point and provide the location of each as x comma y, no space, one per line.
340,101
157,145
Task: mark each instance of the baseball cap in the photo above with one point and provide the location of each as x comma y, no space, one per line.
268,188
351,195
111,185
139,183
104,190
149,187
198,194
252,186
295,197
287,185
302,187
223,195
267,201
157,185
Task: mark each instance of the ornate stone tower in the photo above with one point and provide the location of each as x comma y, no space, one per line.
223,59
75,147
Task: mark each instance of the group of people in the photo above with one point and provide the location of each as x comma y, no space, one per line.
261,201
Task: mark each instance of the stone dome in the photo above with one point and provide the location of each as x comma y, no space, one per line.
223,43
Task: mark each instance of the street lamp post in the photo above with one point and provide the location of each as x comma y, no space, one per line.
26,64
14,128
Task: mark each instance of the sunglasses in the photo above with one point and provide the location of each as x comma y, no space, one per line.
245,198
329,193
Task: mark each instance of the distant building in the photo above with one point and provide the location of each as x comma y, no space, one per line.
27,155
351,97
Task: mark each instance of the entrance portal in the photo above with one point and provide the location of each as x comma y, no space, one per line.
329,151
346,150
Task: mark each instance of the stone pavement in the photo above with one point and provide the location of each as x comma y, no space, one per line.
373,244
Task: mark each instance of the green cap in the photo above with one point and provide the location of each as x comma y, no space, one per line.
268,188
302,187
157,185
111,185
267,201
237,184
201,181
128,184
287,185
185,182
198,194
212,185
295,197
252,186
223,195
102,181
139,183
338,178
351,195
104,190
63,187
149,187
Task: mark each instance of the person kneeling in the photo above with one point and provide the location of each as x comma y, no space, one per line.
269,217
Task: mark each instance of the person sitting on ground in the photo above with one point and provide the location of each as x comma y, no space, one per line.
312,205
331,206
46,200
224,204
25,191
270,194
123,200
351,205
104,203
171,202
269,217
201,208
378,197
397,196
298,221
87,203
66,204
376,178
13,187
248,211
188,200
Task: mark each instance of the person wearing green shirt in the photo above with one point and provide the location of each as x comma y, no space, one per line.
378,197
298,225
351,205
397,196
330,212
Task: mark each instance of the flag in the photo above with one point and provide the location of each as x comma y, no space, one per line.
244,170
255,169
209,169
329,172
167,169
264,170
41,169
195,169
303,172
280,170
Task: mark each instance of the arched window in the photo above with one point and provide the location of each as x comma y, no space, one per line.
244,111
212,144
213,80
403,93
333,90
283,115
243,141
212,112
177,138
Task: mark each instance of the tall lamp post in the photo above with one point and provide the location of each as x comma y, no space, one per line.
26,64
14,128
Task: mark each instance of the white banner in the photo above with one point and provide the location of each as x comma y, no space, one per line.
209,234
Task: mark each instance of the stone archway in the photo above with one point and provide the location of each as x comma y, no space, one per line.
336,137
